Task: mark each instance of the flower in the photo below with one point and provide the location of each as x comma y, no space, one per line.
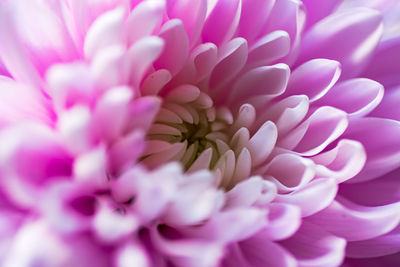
198,133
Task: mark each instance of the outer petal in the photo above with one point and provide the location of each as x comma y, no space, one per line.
382,153
357,97
354,222
348,37
313,246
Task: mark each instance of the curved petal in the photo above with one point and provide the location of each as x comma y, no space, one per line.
253,17
324,126
290,172
267,80
348,37
357,97
382,153
342,162
222,21
323,189
376,247
354,222
268,49
304,80
192,15
317,10
312,246
176,49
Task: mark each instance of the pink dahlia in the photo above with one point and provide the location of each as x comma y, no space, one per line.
199,133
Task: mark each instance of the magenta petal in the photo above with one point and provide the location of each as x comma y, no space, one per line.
354,222
364,193
313,246
222,21
253,16
348,37
382,153
376,247
388,108
259,252
385,63
317,10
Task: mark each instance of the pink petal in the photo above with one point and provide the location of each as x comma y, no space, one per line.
192,15
142,55
365,193
267,80
385,63
176,48
111,112
268,49
260,251
324,126
289,16
304,81
357,97
382,153
342,162
323,189
354,222
232,57
313,246
262,142
376,247
148,15
283,221
348,37
21,102
290,172
253,16
105,31
222,21
251,191
388,107
317,10
70,84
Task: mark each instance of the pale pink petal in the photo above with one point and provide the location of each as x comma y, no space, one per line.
176,50
342,162
144,19
268,49
304,81
324,126
105,31
262,142
283,221
289,172
267,80
357,97
323,189
388,107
